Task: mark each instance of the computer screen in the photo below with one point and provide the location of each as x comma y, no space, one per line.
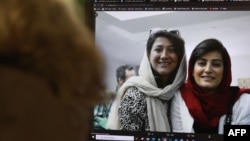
122,29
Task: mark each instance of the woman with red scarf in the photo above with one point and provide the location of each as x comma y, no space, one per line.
207,101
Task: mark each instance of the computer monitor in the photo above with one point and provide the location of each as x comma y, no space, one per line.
122,28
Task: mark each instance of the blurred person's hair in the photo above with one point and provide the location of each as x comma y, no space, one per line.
48,39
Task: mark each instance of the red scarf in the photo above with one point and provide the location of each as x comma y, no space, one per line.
206,109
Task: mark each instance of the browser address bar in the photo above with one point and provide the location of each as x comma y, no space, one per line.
114,138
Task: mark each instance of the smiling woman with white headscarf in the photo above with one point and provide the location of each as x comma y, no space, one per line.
142,102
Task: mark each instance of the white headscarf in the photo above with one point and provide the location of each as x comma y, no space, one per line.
145,82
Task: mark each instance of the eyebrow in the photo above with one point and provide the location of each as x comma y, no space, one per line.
202,59
161,45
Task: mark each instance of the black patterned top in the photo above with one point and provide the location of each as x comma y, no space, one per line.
133,111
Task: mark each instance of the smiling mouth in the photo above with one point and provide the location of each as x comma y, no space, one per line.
207,78
164,63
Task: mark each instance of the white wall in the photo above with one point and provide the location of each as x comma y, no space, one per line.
240,68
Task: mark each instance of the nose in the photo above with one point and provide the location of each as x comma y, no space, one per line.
208,68
164,54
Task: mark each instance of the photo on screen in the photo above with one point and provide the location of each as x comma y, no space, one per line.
122,36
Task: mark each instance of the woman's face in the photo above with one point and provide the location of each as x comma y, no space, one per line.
208,71
162,57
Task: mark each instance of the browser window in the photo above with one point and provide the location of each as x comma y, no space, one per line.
122,28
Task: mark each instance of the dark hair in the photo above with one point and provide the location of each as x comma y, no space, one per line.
121,71
206,46
175,39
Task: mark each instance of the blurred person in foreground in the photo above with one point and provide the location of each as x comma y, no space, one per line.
50,72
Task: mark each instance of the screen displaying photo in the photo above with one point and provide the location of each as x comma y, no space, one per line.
122,37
